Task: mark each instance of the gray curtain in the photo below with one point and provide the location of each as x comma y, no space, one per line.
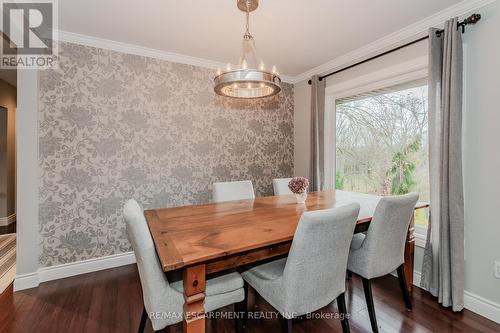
317,169
443,266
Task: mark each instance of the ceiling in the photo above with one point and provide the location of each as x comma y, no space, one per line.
295,35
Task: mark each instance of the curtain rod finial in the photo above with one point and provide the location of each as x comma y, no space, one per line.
473,19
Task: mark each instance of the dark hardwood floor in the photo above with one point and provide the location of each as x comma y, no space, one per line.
110,301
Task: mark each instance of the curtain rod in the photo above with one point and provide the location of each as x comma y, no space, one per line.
473,19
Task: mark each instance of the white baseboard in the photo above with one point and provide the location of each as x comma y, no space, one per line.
482,306
26,281
5,221
472,302
32,280
85,266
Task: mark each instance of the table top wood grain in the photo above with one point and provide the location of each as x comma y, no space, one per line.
190,235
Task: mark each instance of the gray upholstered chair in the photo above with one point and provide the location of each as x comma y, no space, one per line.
229,191
280,186
160,295
381,250
313,275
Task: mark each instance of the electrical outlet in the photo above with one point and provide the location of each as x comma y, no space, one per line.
497,269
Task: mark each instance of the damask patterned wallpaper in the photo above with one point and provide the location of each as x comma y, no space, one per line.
114,126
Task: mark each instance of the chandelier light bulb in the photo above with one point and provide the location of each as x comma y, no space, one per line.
244,64
219,72
228,67
262,67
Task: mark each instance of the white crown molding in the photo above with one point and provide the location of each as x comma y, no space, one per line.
418,28
287,78
70,37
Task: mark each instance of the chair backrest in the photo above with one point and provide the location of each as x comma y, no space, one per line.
386,236
229,191
154,282
280,186
316,266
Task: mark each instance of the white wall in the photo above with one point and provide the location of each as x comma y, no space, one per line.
481,140
302,129
481,154
27,177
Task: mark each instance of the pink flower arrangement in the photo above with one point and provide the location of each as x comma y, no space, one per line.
298,185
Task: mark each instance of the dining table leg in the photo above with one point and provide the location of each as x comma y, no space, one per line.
409,255
194,281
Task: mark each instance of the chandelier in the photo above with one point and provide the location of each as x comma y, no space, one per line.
250,79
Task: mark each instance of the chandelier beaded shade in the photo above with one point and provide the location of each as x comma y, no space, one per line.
250,79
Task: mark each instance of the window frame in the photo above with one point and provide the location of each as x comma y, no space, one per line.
389,76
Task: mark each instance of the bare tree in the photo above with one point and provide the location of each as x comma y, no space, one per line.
371,130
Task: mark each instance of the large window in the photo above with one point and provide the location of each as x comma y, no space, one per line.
382,142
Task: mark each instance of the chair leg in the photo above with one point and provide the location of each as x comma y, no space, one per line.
404,290
369,303
238,320
144,317
286,325
245,304
241,309
343,313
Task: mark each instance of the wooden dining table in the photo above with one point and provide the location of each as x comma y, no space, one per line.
205,239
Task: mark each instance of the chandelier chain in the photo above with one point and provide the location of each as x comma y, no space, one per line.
247,32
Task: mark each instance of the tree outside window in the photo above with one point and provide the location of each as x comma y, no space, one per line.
382,144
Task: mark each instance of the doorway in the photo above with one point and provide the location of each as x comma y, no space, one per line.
8,106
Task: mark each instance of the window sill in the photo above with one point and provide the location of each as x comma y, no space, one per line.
420,240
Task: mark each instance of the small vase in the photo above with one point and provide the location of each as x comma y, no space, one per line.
301,197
